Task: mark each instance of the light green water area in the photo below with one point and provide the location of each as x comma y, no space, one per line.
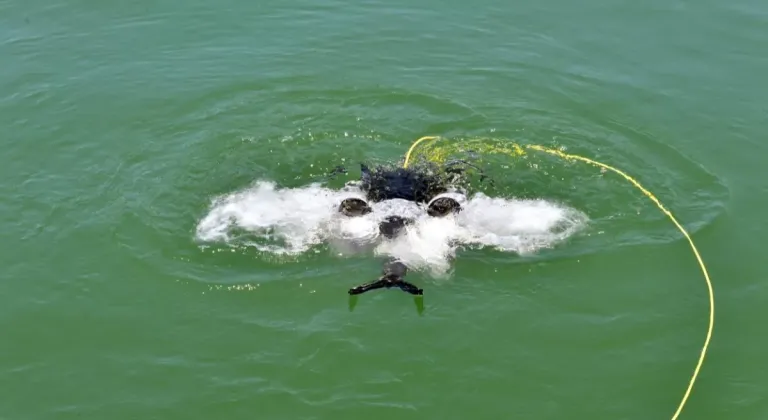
144,145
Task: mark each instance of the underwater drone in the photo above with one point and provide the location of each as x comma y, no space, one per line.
420,185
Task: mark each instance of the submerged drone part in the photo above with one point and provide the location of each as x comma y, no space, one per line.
353,207
446,203
443,206
391,226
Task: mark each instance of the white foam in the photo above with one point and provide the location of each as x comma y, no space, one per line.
293,220
521,226
289,220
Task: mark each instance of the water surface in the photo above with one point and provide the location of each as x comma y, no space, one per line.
123,122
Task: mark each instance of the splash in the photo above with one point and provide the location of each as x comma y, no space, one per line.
293,220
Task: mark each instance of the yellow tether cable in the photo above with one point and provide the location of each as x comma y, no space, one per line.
664,210
413,146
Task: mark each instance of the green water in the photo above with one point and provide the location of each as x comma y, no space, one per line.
122,121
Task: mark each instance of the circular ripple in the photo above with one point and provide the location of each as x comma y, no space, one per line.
283,131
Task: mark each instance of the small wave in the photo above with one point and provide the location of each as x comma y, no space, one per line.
293,220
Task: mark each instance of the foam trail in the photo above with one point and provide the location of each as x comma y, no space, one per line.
521,226
288,220
293,220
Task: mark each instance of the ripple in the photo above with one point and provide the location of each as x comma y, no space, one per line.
620,215
225,144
